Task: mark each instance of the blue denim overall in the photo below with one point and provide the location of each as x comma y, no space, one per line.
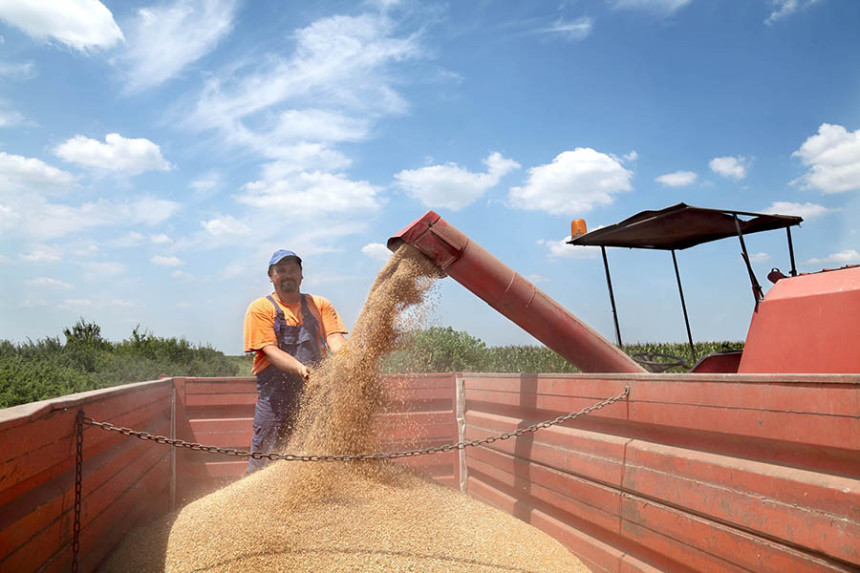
278,392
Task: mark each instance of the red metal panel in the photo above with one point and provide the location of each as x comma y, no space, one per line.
810,509
236,399
145,500
217,426
808,429
809,323
719,362
220,386
556,492
701,499
765,502
52,463
599,457
813,394
705,545
596,553
36,538
410,396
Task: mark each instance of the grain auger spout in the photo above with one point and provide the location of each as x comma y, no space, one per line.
509,293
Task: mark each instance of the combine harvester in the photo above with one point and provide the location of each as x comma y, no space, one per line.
751,462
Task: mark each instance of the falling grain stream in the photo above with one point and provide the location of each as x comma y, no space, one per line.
335,516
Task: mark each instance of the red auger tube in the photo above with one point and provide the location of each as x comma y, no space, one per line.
512,295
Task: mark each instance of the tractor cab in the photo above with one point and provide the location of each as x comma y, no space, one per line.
676,228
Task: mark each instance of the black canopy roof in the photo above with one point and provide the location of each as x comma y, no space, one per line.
681,226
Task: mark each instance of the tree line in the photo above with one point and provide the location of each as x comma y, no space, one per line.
84,360
50,367
443,349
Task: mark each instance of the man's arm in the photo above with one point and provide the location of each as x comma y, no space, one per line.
285,361
336,342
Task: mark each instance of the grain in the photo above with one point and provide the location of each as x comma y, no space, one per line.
335,516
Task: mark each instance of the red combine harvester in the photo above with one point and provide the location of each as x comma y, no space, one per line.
810,323
749,463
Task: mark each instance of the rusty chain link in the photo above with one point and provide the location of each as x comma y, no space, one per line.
79,462
194,446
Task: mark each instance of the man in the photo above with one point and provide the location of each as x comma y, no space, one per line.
289,332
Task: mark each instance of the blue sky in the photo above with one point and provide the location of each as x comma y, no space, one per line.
153,155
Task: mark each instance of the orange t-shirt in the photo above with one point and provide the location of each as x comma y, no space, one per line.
260,324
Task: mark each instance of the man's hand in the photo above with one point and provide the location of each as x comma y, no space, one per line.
286,362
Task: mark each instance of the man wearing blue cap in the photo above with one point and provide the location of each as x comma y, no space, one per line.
288,332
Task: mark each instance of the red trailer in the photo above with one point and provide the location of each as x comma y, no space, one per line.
756,470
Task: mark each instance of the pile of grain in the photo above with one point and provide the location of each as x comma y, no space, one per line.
335,516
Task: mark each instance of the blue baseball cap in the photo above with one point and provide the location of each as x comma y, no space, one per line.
282,254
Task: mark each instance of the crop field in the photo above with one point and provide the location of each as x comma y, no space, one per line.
49,367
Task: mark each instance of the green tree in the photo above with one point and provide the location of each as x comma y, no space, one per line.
438,349
85,346
48,368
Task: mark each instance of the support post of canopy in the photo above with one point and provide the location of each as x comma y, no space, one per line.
684,307
611,297
791,252
756,288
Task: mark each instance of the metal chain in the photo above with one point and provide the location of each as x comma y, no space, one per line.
356,457
79,463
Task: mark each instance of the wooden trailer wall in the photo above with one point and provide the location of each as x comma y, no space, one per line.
691,473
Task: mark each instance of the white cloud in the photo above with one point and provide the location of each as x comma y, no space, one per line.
574,183
783,8
308,193
730,167
677,179
207,184
34,217
759,257
163,261
131,239
85,250
320,125
339,72
8,118
833,158
561,250
41,254
806,210
160,239
303,156
578,29
20,174
166,39
846,257
148,210
228,225
47,282
79,24
131,156
136,239
102,270
22,71
85,303
376,251
662,7
451,186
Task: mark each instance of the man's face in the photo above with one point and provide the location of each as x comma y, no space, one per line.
286,275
